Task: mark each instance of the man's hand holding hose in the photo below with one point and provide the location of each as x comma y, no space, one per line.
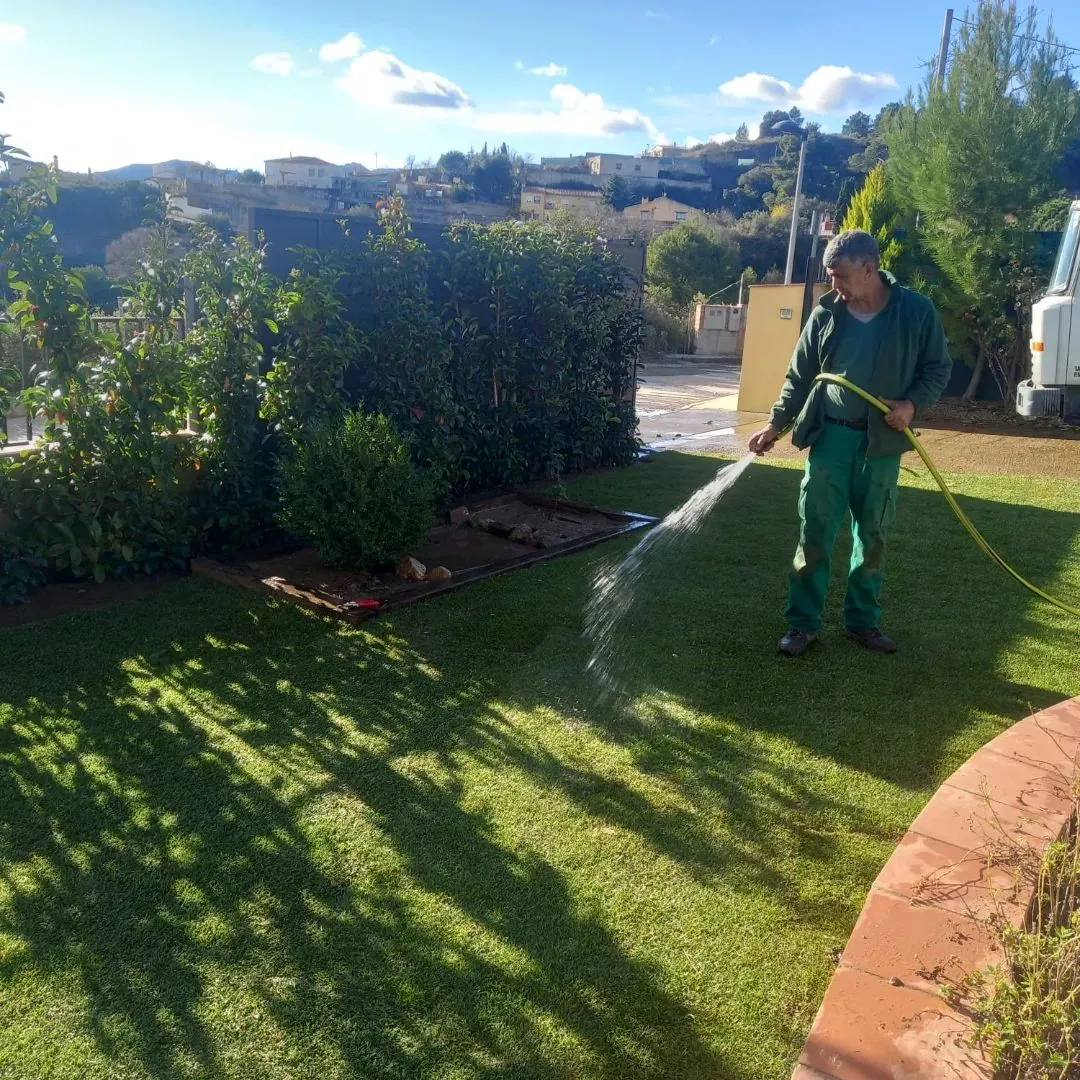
761,442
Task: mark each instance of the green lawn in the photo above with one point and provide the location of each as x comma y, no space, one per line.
239,841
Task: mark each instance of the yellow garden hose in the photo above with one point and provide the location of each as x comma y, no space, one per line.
977,536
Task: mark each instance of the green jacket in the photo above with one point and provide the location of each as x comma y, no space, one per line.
912,362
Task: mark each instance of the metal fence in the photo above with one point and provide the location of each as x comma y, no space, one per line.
20,428
23,361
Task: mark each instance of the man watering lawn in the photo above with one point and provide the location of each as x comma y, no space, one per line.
888,340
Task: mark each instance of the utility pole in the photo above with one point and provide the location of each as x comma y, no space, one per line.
790,269
943,51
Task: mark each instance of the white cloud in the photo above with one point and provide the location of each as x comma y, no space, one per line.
649,13
753,86
722,137
827,89
576,113
273,63
519,65
691,141
10,34
343,49
229,135
379,79
831,88
550,71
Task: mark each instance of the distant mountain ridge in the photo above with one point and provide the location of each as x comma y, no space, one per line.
126,172
138,171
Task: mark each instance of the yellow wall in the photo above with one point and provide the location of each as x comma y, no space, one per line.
662,211
770,341
535,200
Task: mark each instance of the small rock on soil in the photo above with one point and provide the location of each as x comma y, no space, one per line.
411,569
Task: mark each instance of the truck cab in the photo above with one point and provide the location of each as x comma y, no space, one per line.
1054,385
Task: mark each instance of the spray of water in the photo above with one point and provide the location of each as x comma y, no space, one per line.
615,585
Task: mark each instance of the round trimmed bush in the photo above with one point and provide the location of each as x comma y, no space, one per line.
353,492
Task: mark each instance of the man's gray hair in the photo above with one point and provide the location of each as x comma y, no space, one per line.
855,245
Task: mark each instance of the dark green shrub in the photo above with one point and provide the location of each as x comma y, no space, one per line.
354,493
95,522
22,570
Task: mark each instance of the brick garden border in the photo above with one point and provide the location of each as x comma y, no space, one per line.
927,919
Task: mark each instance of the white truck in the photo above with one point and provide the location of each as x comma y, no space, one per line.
1054,386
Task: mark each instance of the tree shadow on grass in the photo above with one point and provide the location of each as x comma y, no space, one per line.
173,835
221,816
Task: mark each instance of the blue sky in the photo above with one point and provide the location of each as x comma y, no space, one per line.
236,81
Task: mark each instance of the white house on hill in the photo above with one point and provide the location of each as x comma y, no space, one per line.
308,172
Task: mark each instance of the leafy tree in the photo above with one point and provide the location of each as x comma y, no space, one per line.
617,193
453,163
858,125
795,115
875,152
785,167
873,209
762,241
687,260
876,149
101,292
975,159
493,178
757,181
885,116
741,202
251,176
742,133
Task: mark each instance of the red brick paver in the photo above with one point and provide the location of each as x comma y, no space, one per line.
968,858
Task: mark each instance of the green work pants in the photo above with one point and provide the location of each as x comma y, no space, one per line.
840,477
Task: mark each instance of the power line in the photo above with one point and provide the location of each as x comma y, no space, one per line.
1022,37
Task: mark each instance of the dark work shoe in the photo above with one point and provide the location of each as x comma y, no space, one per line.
874,639
796,642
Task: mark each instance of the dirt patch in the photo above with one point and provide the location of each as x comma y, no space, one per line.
505,533
966,451
69,598
987,418
1003,455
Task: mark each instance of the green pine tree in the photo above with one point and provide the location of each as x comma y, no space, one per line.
874,209
975,159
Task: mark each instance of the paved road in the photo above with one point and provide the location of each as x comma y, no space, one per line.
691,405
